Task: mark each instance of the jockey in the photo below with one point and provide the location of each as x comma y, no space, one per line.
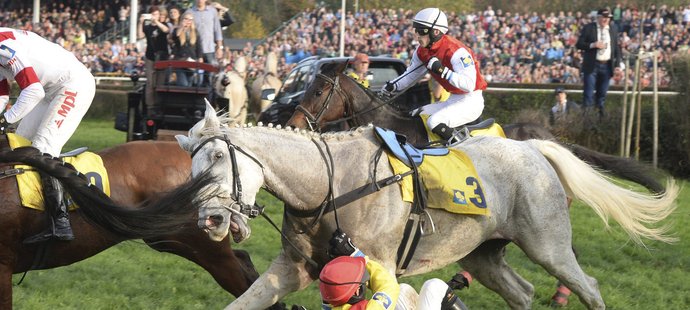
56,91
453,65
361,72
344,280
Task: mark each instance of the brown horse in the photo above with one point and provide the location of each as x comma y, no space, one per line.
333,97
138,171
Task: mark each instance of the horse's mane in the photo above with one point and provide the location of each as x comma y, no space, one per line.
354,133
170,213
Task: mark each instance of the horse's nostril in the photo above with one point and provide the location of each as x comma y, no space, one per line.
216,219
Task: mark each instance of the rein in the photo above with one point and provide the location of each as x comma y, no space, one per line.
313,122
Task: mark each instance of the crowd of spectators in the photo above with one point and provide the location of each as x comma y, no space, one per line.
512,47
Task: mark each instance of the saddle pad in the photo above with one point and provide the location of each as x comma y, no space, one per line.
495,130
392,141
30,189
451,183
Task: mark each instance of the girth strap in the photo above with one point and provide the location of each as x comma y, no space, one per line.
352,195
413,227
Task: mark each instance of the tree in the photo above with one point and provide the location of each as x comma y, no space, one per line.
250,26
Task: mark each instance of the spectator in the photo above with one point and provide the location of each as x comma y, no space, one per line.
208,25
186,47
155,31
360,72
601,54
563,107
174,15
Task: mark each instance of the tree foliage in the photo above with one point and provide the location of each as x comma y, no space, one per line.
250,27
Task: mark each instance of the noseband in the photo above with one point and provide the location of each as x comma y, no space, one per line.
312,120
250,211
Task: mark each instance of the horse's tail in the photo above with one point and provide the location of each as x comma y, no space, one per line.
635,212
621,167
172,212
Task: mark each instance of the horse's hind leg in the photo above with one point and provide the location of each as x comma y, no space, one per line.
486,264
549,245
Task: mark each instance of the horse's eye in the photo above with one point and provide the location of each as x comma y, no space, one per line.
217,155
319,92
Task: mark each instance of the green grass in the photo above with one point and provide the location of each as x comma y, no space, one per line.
132,276
95,134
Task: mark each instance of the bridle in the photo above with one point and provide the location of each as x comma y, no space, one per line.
249,211
313,120
350,113
246,210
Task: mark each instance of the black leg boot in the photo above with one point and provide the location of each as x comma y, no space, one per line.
54,204
452,301
443,131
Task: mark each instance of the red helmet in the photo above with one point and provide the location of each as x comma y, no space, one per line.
340,279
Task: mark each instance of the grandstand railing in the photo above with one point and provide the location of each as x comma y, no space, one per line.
120,30
536,89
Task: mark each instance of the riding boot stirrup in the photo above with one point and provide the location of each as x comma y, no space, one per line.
55,206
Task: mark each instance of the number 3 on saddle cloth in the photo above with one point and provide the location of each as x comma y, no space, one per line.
448,175
29,184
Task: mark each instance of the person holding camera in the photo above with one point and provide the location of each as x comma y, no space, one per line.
186,47
155,29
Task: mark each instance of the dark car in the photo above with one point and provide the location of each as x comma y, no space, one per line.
382,69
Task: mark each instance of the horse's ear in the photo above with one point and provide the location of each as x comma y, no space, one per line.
184,142
342,66
210,118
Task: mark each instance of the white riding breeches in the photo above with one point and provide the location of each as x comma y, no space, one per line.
53,120
430,296
456,111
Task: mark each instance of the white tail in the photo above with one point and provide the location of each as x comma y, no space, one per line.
634,211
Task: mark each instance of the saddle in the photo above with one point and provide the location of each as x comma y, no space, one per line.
487,127
397,145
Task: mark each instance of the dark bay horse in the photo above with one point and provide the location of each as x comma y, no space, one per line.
333,97
138,171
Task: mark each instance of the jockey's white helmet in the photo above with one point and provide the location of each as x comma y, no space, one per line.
431,18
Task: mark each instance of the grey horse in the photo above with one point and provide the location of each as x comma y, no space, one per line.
525,186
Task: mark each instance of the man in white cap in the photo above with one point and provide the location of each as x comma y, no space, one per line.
453,65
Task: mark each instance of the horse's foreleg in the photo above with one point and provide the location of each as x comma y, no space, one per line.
282,277
486,264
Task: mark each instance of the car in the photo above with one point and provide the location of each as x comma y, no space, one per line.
382,68
176,108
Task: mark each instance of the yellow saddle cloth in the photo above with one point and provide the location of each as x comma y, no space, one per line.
494,130
451,183
30,189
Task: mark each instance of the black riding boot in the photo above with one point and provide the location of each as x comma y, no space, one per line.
452,301
443,131
56,208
